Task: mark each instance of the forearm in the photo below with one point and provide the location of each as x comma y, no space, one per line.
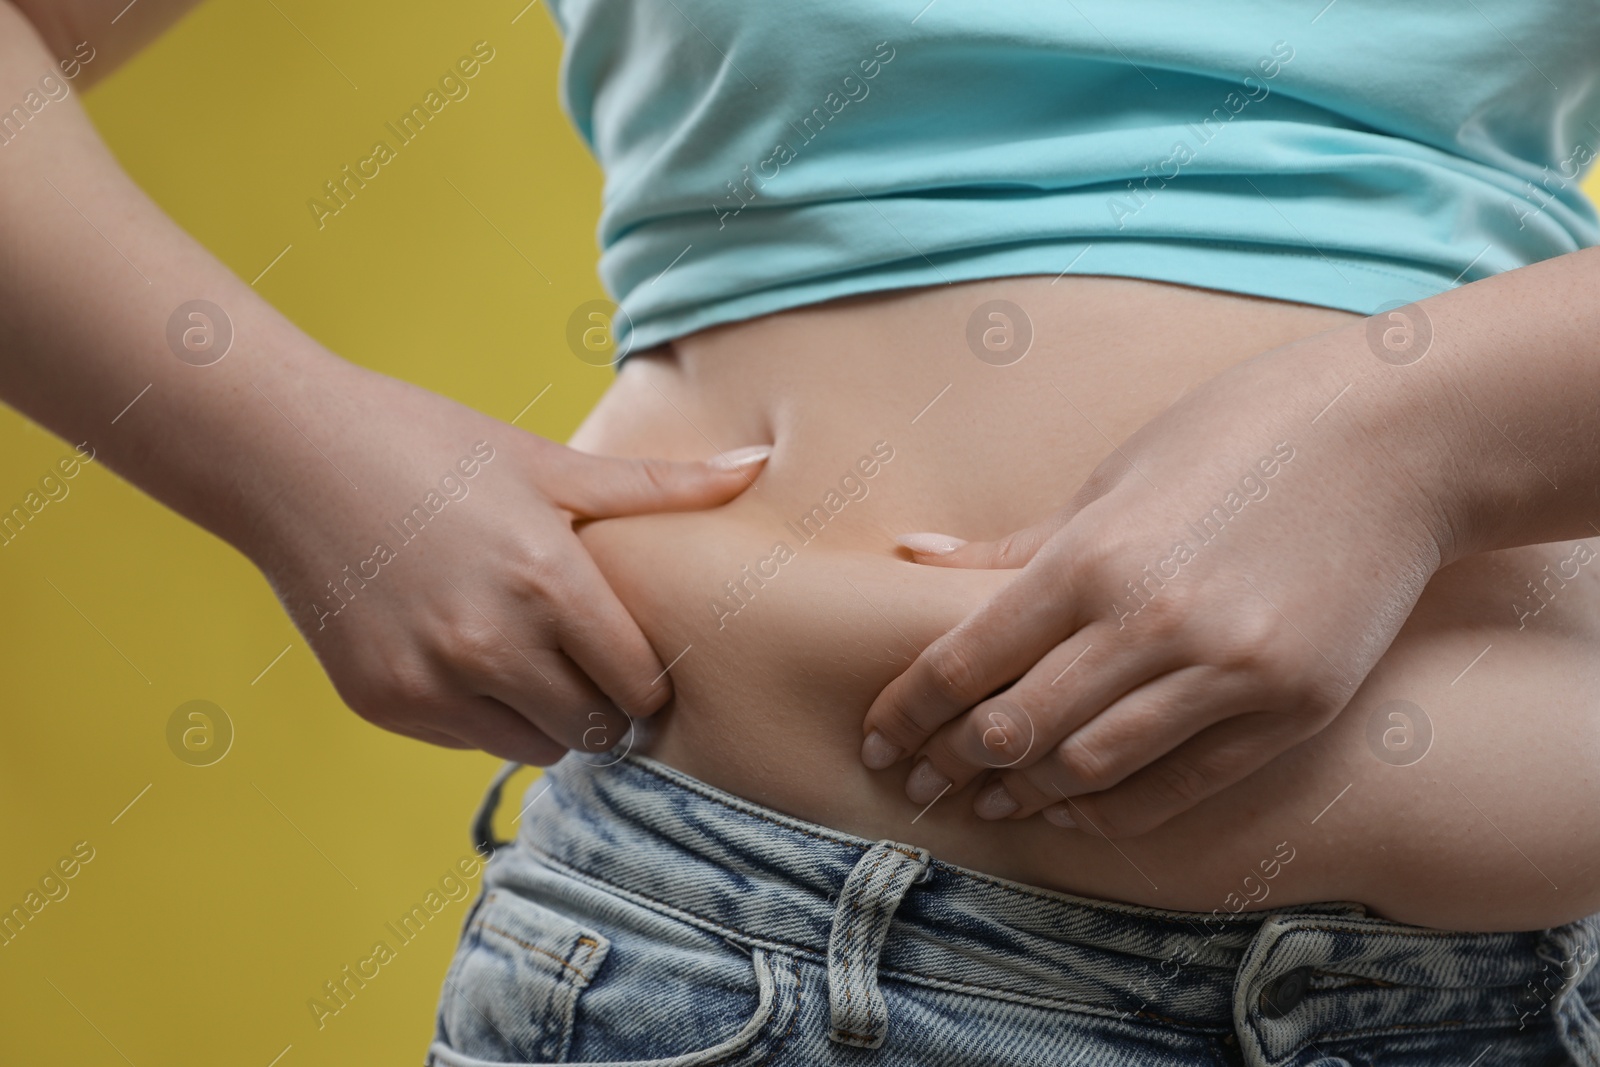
1499,421
109,31
90,274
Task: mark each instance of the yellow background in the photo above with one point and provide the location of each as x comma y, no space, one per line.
221,901
206,920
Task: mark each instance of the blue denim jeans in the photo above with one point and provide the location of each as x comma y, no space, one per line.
643,917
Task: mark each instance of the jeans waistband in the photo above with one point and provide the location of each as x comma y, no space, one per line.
652,834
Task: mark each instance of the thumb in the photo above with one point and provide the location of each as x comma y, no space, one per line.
1011,551
598,487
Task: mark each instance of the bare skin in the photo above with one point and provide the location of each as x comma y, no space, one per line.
770,698
483,624
506,628
1462,424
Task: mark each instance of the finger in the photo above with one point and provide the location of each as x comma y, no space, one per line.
1141,726
544,686
608,646
597,487
1022,726
990,648
562,702
1201,767
1009,552
488,653
435,737
425,734
487,724
601,661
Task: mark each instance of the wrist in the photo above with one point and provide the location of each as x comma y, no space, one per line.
1406,430
290,454
237,448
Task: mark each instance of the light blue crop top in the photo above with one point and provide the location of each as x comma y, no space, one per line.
760,156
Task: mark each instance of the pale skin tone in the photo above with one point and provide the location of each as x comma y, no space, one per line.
474,640
494,630
1489,441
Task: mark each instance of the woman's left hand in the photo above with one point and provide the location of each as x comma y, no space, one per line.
1214,594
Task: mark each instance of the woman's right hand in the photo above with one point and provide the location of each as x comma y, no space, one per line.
471,617
490,627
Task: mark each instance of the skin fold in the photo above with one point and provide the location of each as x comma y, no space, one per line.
772,687
1420,534
1193,674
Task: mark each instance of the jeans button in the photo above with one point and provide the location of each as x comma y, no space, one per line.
1283,994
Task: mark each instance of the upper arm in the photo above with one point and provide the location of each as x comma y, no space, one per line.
109,31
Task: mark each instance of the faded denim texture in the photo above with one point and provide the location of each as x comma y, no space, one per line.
643,917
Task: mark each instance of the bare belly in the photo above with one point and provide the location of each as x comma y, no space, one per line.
777,653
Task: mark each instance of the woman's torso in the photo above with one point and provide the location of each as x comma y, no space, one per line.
776,655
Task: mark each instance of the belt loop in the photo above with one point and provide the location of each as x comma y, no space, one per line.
867,904
483,839
1569,954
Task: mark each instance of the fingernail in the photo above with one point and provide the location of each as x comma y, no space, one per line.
930,544
748,456
877,752
1060,816
995,802
925,784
